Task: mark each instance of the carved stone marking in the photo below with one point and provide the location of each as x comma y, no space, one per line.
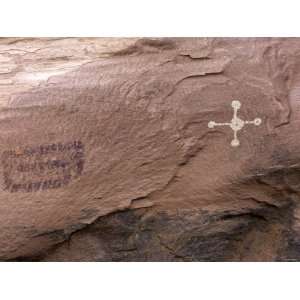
43,167
236,123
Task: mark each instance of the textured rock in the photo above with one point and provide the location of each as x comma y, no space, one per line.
107,153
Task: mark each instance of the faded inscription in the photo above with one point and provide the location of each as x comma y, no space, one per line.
43,167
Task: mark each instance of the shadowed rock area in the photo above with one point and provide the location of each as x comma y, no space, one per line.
169,149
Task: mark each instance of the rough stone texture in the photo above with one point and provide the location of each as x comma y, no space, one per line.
123,124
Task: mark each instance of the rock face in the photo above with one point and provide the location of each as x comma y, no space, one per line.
150,149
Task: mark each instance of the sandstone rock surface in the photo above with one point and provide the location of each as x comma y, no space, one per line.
107,153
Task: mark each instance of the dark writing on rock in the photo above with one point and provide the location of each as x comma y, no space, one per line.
43,167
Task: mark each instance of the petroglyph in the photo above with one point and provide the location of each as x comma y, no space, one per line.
236,124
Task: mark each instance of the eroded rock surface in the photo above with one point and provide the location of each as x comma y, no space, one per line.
107,154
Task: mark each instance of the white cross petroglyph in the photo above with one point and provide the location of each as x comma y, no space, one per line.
236,123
